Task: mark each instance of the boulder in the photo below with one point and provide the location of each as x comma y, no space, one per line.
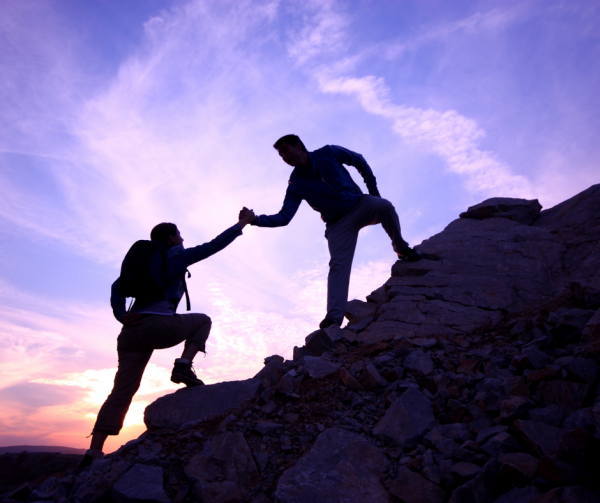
519,495
418,363
569,494
412,487
407,419
520,210
141,484
484,488
539,438
199,403
517,468
318,368
224,471
341,467
357,310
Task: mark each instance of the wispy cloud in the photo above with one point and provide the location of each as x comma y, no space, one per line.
452,136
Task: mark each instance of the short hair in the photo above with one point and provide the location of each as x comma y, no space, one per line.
290,139
162,232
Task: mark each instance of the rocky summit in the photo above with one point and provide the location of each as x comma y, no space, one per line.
471,376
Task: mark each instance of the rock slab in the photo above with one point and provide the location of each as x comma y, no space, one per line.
224,471
406,420
141,484
199,403
341,467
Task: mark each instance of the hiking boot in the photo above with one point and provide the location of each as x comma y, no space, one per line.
327,322
184,373
90,456
410,254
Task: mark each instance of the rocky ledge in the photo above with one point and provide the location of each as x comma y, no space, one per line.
470,376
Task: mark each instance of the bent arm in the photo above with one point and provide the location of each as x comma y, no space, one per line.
183,258
117,301
290,206
350,158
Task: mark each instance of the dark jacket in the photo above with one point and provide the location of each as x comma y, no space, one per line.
178,260
326,186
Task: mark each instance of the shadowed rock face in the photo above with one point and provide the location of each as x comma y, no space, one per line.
472,376
189,405
489,264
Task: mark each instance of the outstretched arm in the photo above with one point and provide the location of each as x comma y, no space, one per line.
286,213
189,256
350,158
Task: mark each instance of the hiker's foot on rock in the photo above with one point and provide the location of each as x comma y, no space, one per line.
410,254
90,456
184,373
327,322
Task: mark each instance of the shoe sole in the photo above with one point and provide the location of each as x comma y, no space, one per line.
178,379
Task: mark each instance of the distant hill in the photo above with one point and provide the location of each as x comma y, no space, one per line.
41,448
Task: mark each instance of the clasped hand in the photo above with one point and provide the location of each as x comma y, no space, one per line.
246,216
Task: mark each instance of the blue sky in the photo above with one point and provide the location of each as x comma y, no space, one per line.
119,115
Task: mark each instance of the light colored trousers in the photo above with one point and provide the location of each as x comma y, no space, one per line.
341,239
135,345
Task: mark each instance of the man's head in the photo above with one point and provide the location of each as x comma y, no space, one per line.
167,234
292,150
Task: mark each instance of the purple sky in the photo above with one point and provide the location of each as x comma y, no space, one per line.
120,115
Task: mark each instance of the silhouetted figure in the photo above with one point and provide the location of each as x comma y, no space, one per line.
152,322
320,178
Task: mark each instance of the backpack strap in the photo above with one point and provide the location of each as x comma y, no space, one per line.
187,295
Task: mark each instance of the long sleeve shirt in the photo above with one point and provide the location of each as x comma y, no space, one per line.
178,259
326,186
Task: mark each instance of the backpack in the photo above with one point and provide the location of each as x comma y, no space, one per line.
136,279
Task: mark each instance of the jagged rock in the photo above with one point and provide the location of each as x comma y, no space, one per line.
271,373
534,358
514,406
583,369
481,489
341,467
520,210
519,495
318,342
501,443
268,427
141,484
289,381
349,380
551,415
411,487
318,368
357,310
575,461
517,468
371,379
567,395
200,402
465,470
406,420
225,470
540,438
418,363
569,494
582,418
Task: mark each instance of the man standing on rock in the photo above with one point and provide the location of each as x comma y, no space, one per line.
320,178
154,324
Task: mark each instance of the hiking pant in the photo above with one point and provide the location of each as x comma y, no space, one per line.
134,347
341,239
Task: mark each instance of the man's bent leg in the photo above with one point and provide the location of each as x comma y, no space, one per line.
381,211
127,381
341,239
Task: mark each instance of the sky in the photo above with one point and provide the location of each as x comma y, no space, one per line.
116,116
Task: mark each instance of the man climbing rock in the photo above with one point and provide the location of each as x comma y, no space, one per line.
320,178
152,322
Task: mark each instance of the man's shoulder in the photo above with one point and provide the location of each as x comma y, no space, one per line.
327,149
